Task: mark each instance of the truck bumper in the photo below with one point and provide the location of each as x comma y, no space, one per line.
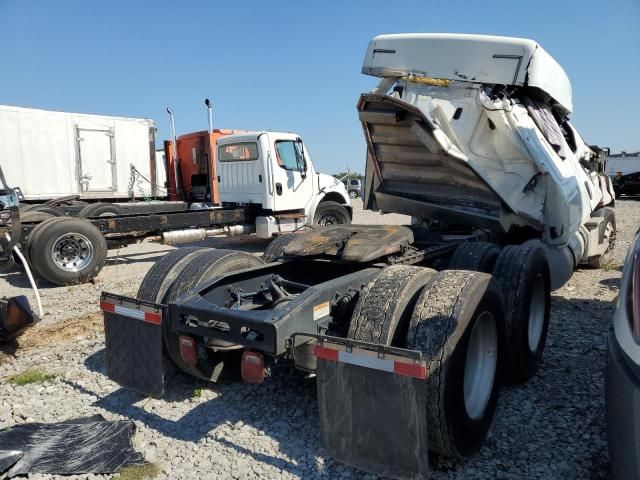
622,399
359,384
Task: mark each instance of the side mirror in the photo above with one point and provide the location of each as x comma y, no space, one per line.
15,316
300,160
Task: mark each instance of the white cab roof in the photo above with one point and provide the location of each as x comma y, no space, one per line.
473,58
253,137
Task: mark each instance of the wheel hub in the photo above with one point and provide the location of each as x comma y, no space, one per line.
328,219
481,364
72,252
536,314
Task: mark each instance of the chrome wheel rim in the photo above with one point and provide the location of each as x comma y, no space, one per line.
72,252
536,314
481,364
353,194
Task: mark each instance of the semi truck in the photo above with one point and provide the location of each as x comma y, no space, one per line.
410,330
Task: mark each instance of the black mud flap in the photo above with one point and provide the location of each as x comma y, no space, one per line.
372,405
133,338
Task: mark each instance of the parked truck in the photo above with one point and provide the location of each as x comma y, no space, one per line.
221,182
624,169
410,330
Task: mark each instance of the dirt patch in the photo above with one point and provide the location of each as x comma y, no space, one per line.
64,331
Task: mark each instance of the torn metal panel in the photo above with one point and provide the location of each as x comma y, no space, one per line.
415,166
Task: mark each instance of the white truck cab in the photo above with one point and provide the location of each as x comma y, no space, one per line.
274,171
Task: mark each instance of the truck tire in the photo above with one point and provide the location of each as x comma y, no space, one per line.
211,264
274,250
68,251
474,256
211,366
353,194
31,240
158,280
331,213
523,274
101,210
606,233
156,283
35,216
458,323
53,211
384,306
25,207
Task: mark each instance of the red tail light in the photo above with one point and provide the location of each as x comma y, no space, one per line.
252,367
633,291
188,350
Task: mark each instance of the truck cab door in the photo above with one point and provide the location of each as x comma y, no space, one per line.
292,174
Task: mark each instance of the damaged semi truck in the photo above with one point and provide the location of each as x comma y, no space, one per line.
422,323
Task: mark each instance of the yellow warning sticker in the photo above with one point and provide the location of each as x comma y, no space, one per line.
321,310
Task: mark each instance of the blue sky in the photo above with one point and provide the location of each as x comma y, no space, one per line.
293,66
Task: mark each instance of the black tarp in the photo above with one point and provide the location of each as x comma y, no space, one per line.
79,446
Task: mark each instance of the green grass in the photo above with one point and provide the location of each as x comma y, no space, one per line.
31,376
141,472
612,265
197,393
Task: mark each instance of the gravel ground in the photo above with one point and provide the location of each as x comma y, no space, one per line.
552,427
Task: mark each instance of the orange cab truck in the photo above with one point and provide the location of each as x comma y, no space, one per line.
220,182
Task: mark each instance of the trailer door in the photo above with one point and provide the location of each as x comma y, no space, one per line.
96,160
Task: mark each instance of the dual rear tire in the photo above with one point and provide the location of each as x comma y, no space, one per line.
476,329
176,274
456,318
522,271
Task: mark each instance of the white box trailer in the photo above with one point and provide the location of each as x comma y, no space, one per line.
49,154
623,163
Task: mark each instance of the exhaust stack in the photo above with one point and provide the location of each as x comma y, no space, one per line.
174,146
207,102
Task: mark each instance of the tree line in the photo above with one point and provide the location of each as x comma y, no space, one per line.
349,175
